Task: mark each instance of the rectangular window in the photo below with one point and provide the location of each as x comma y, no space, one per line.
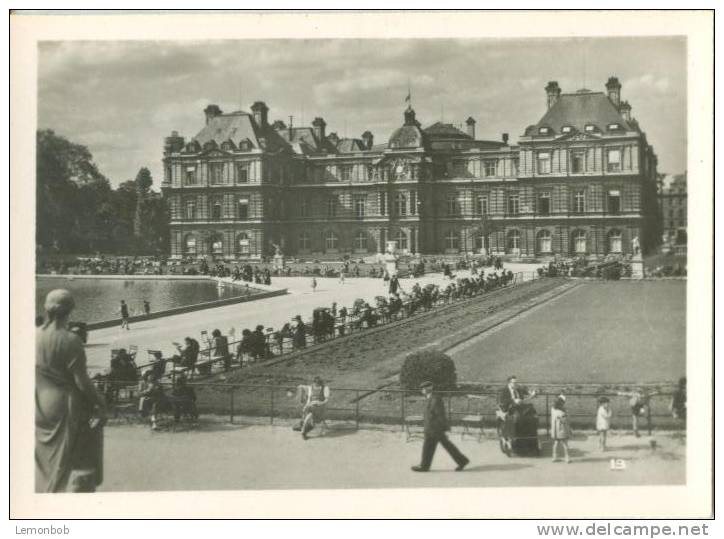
578,163
514,204
359,206
383,203
579,202
614,201
216,173
489,167
613,160
544,203
190,178
452,205
345,173
304,208
544,163
190,209
243,208
216,211
331,207
242,173
400,204
481,205
413,202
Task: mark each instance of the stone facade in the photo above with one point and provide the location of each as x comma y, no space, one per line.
673,203
580,181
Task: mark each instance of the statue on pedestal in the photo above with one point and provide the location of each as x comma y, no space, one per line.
635,246
390,258
278,257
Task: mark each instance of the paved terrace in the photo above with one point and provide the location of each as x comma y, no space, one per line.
217,456
160,333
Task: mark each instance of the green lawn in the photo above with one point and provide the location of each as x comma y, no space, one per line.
620,333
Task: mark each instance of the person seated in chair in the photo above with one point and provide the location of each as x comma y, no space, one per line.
188,354
151,397
511,403
315,398
184,399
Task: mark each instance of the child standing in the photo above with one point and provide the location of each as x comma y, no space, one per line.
603,421
560,431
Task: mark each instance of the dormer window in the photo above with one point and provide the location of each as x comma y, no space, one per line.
566,129
614,127
590,128
544,130
244,146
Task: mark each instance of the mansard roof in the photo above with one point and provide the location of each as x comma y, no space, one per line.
442,130
234,127
350,145
578,110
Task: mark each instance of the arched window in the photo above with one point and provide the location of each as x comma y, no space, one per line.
401,239
216,210
217,245
514,241
614,241
304,243
360,241
190,245
331,241
243,243
452,240
579,242
544,242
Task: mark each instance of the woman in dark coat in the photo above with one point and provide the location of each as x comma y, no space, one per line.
65,398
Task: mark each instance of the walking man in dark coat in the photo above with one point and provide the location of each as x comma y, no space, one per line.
436,427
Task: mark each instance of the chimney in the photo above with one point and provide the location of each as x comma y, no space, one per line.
212,111
367,138
505,138
614,90
625,110
319,128
260,111
173,144
333,138
470,122
553,92
278,125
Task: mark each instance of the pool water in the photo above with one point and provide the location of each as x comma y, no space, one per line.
97,300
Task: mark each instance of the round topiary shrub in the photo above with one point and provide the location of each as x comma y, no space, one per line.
428,365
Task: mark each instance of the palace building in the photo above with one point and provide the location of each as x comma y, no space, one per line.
580,181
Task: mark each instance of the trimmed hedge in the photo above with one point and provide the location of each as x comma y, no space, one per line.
428,365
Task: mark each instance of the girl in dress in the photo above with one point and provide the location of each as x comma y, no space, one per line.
560,430
603,421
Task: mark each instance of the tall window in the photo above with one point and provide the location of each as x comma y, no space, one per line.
514,204
304,241
216,173
481,205
614,201
613,160
453,207
383,203
413,202
514,241
579,242
544,241
190,209
401,239
217,246
216,210
242,173
332,207
243,208
359,206
331,241
243,243
544,203
578,163
345,173
190,245
489,167
452,240
579,202
190,178
479,240
544,163
400,204
304,207
360,241
614,241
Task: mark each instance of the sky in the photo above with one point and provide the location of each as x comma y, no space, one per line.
121,98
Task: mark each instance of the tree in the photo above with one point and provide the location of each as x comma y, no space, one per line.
143,185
